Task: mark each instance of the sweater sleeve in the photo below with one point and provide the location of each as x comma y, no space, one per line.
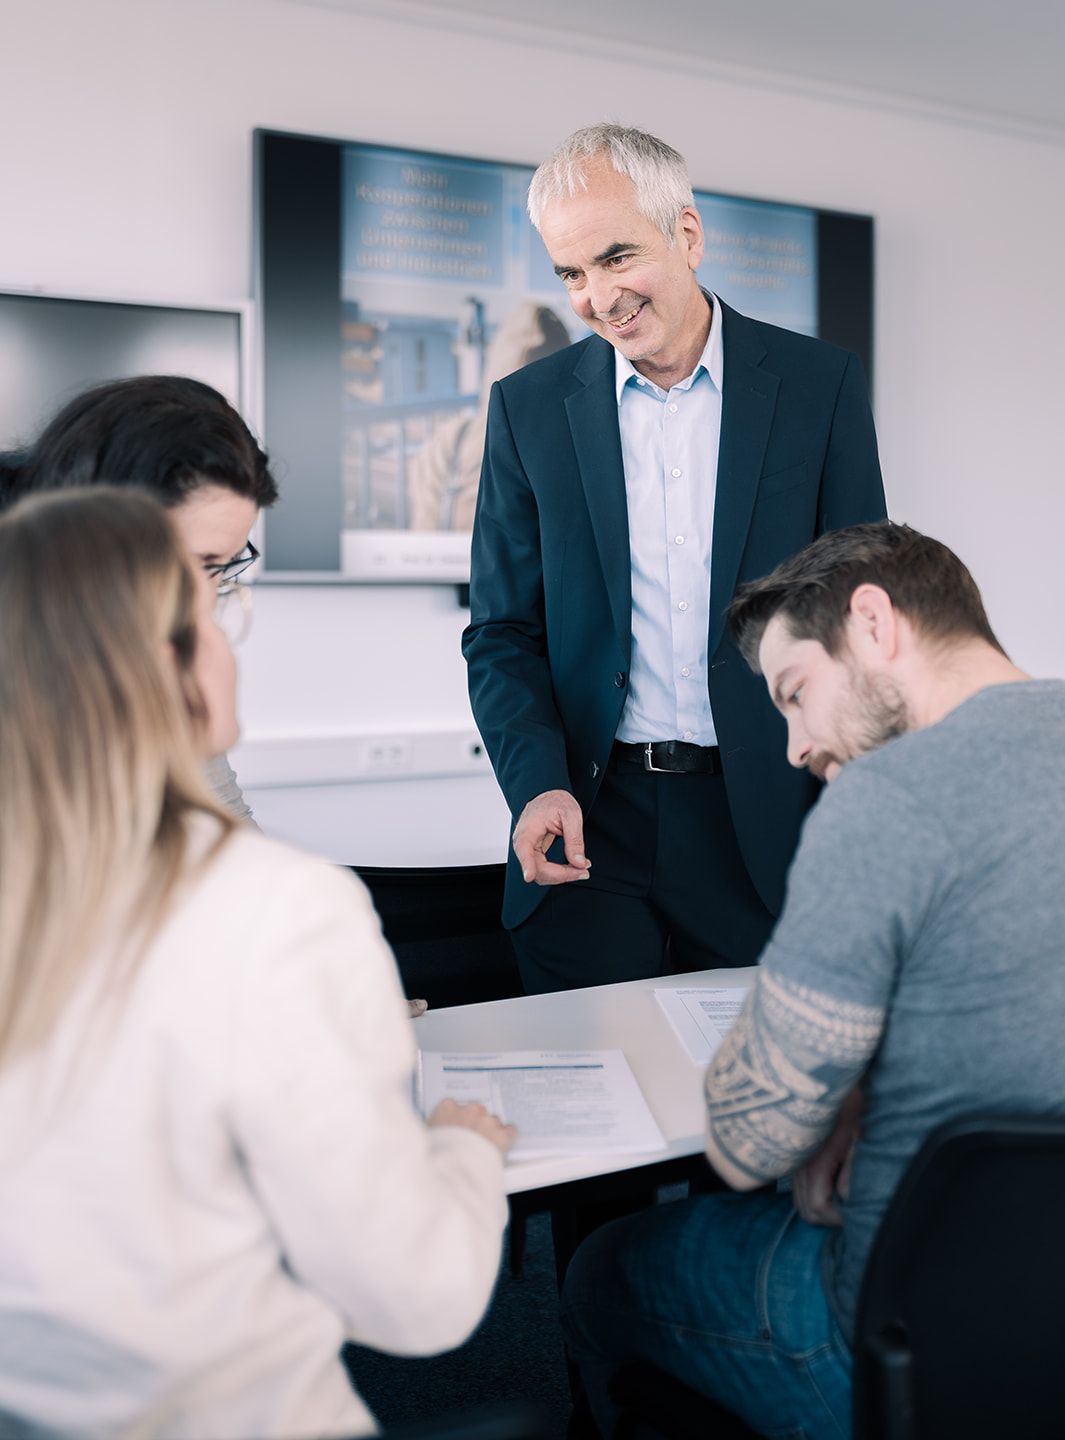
395,1223
222,779
865,878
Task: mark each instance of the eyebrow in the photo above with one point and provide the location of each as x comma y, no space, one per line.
214,557
619,247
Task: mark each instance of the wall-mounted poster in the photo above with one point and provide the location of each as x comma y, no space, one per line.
396,286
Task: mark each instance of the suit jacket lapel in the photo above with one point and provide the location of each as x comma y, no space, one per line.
748,402
592,411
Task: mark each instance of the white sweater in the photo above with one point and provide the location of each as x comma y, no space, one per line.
195,1218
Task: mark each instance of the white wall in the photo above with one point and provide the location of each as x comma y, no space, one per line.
125,168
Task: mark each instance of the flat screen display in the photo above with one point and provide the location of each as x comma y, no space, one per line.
396,285
52,347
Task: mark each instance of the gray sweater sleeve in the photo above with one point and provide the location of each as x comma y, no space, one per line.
223,782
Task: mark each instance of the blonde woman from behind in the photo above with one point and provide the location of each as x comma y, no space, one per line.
211,1173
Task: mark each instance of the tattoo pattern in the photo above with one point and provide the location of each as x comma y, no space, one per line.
779,1078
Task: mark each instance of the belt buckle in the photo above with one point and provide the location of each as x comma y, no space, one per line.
648,764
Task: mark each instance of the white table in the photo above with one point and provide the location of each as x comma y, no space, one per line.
623,1017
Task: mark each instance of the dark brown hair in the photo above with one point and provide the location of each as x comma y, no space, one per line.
164,433
812,591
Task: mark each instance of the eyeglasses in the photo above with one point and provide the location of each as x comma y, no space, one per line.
228,573
232,611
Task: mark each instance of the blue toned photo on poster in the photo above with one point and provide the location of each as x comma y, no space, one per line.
436,305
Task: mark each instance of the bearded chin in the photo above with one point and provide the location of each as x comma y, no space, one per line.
883,712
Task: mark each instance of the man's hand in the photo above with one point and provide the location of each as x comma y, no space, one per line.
827,1173
475,1117
543,820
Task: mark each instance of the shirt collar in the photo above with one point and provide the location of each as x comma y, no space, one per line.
711,360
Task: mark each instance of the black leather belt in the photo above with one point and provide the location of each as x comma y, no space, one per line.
668,757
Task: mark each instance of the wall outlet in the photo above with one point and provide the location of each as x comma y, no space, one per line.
387,756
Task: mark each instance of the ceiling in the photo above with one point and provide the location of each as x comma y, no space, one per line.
988,59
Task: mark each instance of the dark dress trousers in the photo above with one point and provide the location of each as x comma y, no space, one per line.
549,638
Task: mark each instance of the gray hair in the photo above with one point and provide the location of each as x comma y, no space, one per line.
658,173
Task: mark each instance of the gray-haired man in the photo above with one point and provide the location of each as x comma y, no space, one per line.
629,482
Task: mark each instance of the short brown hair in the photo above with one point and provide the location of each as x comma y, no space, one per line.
812,591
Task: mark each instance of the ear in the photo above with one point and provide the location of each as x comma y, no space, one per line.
873,623
689,233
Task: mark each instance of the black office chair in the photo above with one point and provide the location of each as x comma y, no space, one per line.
960,1328
443,923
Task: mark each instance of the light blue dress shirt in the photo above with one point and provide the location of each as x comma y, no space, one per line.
669,444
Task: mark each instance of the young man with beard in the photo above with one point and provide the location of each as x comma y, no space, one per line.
914,976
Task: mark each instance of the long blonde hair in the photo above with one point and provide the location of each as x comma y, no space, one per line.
99,711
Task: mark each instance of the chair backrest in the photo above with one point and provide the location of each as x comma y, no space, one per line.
960,1327
434,902
445,926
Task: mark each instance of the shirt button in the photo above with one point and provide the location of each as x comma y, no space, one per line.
619,679
678,539
688,734
683,605
672,409
640,380
685,671
676,473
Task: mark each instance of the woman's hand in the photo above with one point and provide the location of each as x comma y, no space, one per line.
475,1117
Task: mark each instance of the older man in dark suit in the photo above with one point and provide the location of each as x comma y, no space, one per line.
629,483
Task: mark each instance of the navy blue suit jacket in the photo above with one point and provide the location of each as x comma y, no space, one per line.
549,638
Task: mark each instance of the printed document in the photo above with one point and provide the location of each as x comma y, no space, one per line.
563,1102
702,1017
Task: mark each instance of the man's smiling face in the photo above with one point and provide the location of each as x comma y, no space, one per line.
624,280
835,708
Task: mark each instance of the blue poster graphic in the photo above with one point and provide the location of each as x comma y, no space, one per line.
761,258
411,216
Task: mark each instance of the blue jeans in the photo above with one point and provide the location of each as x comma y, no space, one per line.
724,1292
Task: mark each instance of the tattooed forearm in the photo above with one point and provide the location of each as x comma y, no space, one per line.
781,1075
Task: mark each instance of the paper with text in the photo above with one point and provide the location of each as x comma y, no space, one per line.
563,1102
702,1016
